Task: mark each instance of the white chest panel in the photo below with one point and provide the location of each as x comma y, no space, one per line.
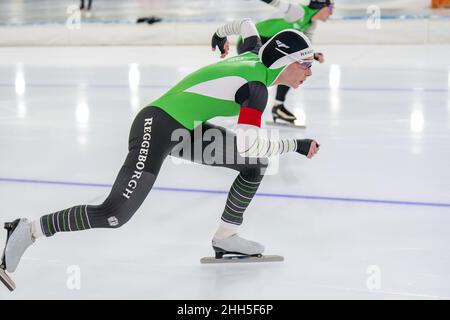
222,88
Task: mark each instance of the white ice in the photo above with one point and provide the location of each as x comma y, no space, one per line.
380,113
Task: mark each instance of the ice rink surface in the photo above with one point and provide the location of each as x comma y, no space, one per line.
368,218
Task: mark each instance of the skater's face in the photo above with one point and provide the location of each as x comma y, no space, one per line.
295,74
323,14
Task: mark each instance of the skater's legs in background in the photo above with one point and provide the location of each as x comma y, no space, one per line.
282,91
279,111
89,5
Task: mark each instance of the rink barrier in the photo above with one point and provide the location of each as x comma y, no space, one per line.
348,31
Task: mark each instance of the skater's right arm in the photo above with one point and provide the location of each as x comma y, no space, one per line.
290,11
244,28
253,99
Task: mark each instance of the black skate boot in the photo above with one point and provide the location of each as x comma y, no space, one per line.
279,112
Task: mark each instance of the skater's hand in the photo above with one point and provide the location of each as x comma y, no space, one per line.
307,147
221,43
319,57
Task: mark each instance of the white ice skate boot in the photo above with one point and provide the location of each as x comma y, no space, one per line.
18,240
236,249
236,245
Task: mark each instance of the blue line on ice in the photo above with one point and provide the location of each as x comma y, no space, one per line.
260,194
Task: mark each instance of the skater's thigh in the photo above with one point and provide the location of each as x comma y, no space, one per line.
150,139
150,142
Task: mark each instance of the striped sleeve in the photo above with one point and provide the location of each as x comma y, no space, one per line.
250,144
243,27
253,99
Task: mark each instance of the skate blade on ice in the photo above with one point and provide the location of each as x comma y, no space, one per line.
4,277
285,124
6,280
242,258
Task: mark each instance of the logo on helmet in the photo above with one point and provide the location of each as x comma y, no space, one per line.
306,52
281,44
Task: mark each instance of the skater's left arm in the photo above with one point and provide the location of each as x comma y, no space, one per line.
244,27
253,99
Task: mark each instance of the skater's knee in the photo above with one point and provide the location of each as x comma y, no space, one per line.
254,172
107,216
127,195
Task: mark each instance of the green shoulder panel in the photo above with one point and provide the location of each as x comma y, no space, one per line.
199,96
